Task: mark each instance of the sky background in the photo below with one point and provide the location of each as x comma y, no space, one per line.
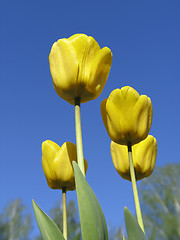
144,37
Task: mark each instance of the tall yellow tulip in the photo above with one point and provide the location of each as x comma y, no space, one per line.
57,164
79,68
144,158
127,116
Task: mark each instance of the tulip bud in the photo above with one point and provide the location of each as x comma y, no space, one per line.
79,68
127,116
144,158
57,164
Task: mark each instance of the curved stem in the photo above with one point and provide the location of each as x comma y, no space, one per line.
135,191
64,213
79,144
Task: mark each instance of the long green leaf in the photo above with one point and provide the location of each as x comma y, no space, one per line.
93,223
134,232
48,228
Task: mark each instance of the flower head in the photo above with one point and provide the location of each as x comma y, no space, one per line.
144,158
79,68
127,116
57,164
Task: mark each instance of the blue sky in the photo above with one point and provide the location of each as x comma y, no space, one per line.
144,37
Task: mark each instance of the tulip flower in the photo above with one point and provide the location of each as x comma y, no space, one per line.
144,158
57,164
127,116
79,68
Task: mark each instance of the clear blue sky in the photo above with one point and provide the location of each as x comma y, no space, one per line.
144,37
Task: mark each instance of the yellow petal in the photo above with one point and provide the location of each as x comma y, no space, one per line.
99,71
120,159
64,68
144,155
111,119
104,114
86,49
142,118
63,162
49,150
46,168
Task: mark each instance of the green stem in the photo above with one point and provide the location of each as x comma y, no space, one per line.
135,191
79,144
64,213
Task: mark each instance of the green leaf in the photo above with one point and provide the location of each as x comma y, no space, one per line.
93,223
124,238
48,228
134,232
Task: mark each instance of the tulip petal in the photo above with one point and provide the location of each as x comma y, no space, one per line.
111,119
86,49
50,149
64,68
103,113
144,158
120,159
142,118
65,173
100,68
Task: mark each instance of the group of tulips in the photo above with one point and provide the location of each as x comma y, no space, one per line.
79,70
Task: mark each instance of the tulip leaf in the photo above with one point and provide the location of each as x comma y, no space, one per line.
124,238
134,231
93,223
48,229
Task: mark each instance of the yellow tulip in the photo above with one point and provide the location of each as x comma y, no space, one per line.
79,68
127,116
57,164
144,158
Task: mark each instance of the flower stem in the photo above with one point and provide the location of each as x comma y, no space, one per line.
135,191
64,213
79,144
